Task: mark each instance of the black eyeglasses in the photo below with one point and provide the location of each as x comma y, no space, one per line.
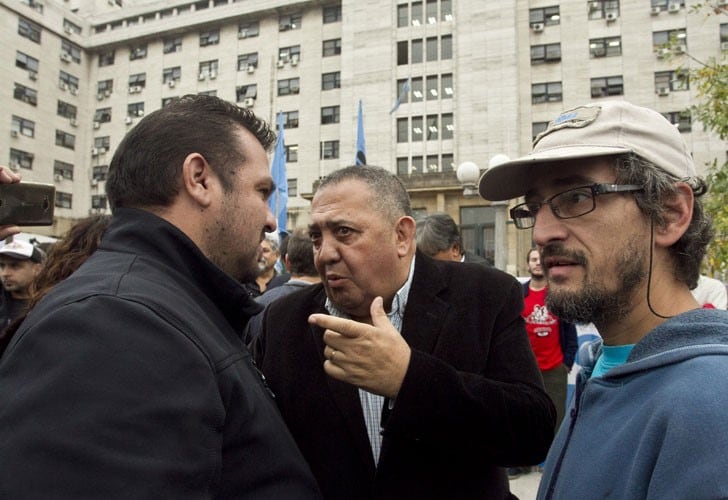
569,204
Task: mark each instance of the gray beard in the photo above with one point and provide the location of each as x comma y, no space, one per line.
596,304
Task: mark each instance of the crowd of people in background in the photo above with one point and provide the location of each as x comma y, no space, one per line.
181,348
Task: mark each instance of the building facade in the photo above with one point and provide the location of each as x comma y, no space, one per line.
442,82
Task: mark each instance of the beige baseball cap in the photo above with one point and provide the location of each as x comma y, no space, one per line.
610,128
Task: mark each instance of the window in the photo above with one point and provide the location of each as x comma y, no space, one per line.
208,68
106,58
102,143
546,16
25,94
24,61
547,53
433,127
332,14
248,29
102,115
417,126
29,30
605,47
432,164
546,92
71,28
66,110
65,170
173,44
446,47
290,119
431,11
402,53
246,61
210,37
291,154
446,10
167,100
104,87
606,86
681,119
67,80
135,109
63,200
288,86
661,39
331,47
671,80
432,87
246,92
71,50
402,166
289,22
173,74
416,55
99,172
329,114
537,128
137,82
723,33
20,158
402,15
204,4
418,93
289,53
402,129
431,48
329,150
446,86
292,187
331,80
448,162
98,201
65,140
448,128
665,4
416,13
22,126
416,167
601,9
138,52
33,4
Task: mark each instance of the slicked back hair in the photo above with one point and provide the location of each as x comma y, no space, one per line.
300,253
389,196
436,233
146,168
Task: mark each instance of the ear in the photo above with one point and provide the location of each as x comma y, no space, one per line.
405,233
678,215
197,179
456,253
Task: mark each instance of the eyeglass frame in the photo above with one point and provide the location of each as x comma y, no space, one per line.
596,189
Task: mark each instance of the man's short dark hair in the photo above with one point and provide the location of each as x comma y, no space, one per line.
436,233
145,170
390,196
300,253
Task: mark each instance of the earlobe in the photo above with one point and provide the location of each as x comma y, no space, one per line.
196,177
678,215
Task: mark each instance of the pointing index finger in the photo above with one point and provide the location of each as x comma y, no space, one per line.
345,327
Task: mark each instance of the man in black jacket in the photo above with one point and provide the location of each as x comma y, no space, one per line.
401,376
129,379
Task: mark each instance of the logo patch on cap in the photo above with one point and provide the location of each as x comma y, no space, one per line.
574,118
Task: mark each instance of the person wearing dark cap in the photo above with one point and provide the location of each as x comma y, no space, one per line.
20,263
613,198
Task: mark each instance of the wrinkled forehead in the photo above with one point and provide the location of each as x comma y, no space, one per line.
557,176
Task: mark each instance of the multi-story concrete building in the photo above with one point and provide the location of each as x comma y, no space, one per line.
483,79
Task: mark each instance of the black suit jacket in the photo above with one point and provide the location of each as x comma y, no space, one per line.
472,399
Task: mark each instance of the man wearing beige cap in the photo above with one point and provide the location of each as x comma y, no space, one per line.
614,202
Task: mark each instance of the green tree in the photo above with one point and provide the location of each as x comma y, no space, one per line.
710,79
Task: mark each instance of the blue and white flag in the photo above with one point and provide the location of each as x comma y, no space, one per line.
278,201
361,147
402,94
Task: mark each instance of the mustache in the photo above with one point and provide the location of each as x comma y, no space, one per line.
557,250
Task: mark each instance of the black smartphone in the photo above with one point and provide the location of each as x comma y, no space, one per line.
27,204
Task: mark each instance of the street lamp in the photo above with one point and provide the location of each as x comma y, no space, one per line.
468,174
